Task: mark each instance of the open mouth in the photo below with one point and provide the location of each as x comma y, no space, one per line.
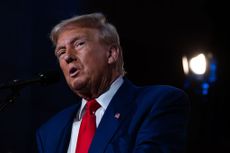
73,71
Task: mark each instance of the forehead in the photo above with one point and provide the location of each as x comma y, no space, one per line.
76,32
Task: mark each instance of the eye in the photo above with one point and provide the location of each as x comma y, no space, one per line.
78,44
60,53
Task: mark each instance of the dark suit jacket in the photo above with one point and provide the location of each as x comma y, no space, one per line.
153,119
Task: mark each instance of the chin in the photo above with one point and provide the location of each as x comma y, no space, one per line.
77,84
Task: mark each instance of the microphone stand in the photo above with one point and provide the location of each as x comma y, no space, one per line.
15,87
11,98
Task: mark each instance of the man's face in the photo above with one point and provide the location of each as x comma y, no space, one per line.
83,59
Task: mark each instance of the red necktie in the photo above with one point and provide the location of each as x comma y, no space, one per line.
87,127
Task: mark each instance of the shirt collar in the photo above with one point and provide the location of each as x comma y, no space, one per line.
105,98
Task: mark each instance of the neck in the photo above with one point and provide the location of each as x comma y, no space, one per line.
100,88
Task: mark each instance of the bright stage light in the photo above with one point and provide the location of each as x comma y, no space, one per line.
185,65
200,71
198,64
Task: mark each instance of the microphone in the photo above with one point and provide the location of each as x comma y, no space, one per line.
44,78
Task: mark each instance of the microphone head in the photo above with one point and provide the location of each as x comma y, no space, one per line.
49,77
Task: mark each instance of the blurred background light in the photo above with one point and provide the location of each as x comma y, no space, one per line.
200,71
198,64
185,65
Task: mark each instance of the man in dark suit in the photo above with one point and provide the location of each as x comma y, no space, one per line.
124,118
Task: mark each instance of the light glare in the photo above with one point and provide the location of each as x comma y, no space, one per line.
198,64
185,65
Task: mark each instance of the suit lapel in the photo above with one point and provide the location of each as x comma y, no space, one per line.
117,110
66,132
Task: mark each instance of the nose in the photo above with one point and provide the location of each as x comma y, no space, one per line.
69,58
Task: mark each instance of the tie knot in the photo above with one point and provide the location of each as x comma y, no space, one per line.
92,105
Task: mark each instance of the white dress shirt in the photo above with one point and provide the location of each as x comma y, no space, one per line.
104,101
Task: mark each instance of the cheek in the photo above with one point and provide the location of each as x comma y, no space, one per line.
96,65
98,60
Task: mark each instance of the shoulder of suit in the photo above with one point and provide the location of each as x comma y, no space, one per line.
160,96
150,90
162,89
61,117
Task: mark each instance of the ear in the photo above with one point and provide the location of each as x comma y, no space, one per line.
113,54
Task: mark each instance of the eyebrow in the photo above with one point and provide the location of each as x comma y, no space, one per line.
70,42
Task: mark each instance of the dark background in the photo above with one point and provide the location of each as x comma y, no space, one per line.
154,36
